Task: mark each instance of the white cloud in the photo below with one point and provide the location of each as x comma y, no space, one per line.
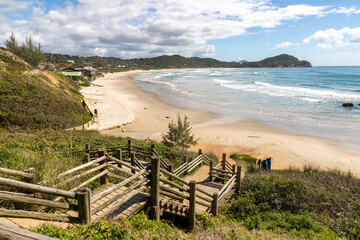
332,38
141,28
344,10
10,6
287,45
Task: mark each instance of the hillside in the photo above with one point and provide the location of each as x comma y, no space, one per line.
34,101
174,61
283,60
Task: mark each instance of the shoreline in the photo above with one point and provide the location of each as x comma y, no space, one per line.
128,111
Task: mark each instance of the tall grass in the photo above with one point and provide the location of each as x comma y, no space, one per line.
312,201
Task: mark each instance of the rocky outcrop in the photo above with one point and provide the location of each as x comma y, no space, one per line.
348,105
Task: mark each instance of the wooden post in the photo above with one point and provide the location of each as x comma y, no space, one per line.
133,162
181,200
103,179
86,158
210,171
186,160
223,164
170,170
234,168
87,147
238,179
214,204
192,204
200,153
84,205
118,154
33,179
152,148
129,148
155,189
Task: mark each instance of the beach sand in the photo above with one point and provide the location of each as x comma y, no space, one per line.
126,110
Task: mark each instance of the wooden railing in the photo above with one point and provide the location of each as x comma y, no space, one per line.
168,191
22,196
189,166
124,152
27,175
8,231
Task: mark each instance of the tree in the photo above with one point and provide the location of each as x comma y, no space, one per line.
179,135
12,45
28,50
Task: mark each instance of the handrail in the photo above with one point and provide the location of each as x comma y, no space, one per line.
15,173
78,168
162,161
117,186
226,185
36,188
174,176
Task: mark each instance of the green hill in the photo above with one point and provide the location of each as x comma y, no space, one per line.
282,60
30,100
174,61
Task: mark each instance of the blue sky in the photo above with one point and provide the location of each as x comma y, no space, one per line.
323,32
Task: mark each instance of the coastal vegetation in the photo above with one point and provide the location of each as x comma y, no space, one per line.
32,100
28,50
287,204
179,134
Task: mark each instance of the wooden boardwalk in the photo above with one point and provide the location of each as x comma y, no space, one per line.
126,210
155,187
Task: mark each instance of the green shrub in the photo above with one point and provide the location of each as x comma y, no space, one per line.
312,200
243,159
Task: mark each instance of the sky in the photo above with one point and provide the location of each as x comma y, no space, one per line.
326,33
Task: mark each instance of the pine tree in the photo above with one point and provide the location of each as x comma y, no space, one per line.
179,135
28,51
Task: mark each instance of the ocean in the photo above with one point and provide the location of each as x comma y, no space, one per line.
305,100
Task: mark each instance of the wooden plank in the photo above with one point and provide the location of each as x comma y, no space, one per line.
118,196
15,173
35,188
89,181
117,186
62,183
36,215
9,232
118,204
78,168
173,176
174,192
124,163
24,199
226,185
110,174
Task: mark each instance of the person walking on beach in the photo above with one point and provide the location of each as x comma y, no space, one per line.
96,113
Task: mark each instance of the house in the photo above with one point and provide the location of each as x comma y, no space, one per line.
71,72
74,75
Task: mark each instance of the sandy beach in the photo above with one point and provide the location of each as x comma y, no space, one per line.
126,110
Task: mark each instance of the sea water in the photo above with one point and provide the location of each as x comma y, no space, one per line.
305,100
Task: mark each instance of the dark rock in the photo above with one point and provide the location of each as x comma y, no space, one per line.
348,105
